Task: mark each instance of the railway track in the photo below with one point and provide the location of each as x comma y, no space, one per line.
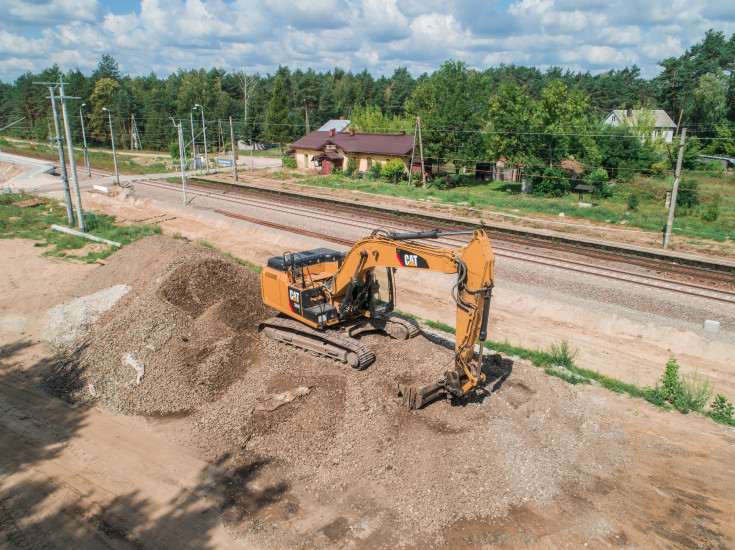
686,280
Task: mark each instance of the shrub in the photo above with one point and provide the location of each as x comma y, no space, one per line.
688,194
633,201
696,391
375,170
715,169
351,167
290,162
671,387
173,149
550,183
563,354
392,169
713,210
598,179
722,409
439,183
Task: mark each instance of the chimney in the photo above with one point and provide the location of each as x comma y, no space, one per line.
331,132
352,132
402,133
341,118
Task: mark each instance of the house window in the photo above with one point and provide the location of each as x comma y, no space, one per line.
369,163
306,161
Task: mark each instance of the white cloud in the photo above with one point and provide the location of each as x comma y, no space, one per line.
164,35
48,12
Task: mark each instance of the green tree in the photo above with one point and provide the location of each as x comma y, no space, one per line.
511,115
622,153
451,104
562,118
710,100
277,126
372,120
106,68
106,94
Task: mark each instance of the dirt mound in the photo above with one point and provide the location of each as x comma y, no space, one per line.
178,339
346,452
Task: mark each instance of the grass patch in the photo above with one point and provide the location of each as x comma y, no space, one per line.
558,361
35,223
100,158
246,263
649,213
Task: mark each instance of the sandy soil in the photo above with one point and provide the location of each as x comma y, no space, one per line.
72,474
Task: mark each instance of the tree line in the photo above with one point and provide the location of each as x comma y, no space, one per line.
521,113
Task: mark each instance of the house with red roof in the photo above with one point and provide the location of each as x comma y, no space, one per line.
324,149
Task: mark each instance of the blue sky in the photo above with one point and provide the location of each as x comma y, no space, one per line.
379,35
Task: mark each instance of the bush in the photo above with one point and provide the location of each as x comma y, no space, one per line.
393,169
688,194
173,148
633,201
290,162
598,179
439,183
696,391
671,387
713,210
563,354
375,170
550,183
351,167
722,409
715,169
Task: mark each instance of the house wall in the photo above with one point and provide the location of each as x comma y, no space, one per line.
362,160
302,161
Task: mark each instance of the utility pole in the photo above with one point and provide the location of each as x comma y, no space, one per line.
84,135
219,134
182,153
670,221
193,142
306,110
421,149
112,136
234,155
62,160
72,160
204,129
134,135
413,153
50,138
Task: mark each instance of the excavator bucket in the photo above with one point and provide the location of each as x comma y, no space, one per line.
415,397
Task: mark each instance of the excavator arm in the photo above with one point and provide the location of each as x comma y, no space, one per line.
473,265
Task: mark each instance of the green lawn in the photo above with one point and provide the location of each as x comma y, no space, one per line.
35,223
649,215
124,162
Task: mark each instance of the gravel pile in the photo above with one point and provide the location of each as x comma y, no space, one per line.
184,340
178,339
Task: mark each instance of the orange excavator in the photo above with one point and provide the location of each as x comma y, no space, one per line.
326,298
